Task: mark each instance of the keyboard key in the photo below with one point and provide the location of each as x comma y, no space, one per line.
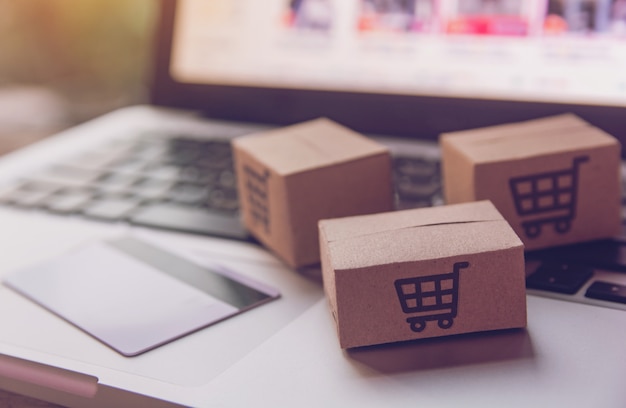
182,157
602,254
227,179
188,194
130,165
111,208
151,189
416,167
410,189
40,186
198,175
150,152
95,161
117,182
167,172
223,200
27,198
29,194
215,162
608,291
68,176
560,277
67,203
189,219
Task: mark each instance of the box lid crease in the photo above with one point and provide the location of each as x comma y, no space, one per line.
350,227
436,224
415,235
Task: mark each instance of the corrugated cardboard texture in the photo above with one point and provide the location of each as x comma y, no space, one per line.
303,173
363,258
556,180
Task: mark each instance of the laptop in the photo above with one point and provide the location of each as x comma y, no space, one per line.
400,72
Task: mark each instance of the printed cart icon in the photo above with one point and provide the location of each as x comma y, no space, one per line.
546,198
429,298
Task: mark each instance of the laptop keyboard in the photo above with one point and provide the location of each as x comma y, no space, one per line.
188,185
164,182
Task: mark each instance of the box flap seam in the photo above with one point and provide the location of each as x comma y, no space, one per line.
434,224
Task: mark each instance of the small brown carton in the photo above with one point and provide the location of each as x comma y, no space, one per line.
422,273
290,178
556,179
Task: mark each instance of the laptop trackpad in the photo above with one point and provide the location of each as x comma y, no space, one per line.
135,297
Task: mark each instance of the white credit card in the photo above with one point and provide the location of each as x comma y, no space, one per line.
133,296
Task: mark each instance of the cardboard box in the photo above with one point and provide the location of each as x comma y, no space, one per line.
556,180
422,273
289,178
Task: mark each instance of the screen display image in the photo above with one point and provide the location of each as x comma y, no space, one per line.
407,68
556,50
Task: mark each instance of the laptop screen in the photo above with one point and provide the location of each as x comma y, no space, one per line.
407,67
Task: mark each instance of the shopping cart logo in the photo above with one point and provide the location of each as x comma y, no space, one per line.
547,198
258,200
430,298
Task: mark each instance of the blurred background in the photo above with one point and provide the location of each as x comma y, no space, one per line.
64,61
